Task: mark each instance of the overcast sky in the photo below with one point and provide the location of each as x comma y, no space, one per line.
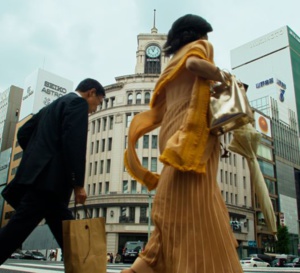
76,39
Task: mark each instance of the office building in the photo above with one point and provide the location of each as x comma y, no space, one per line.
270,66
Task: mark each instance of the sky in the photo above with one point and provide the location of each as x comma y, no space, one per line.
76,39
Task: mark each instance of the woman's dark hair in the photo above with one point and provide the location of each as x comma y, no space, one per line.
184,30
88,84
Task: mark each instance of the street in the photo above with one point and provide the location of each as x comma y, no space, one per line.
32,266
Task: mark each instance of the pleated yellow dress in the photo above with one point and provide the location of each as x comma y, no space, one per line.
192,232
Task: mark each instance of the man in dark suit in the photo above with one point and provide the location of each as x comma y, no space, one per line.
52,166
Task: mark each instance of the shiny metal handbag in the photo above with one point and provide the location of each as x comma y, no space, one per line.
229,106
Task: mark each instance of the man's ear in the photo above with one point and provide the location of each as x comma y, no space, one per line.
92,92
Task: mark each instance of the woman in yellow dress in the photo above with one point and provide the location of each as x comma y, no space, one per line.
192,232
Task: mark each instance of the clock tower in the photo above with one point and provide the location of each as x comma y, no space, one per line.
150,58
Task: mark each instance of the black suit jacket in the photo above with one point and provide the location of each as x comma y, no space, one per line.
54,149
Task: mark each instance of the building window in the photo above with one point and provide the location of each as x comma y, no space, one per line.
234,177
103,145
112,101
104,124
111,122
123,211
245,200
93,127
226,198
92,147
100,188
108,166
230,178
131,214
154,142
145,162
226,178
97,146
244,182
129,99
146,141
147,97
143,212
106,103
138,98
221,174
126,142
153,164
128,119
234,160
109,144
90,169
94,188
98,125
101,166
95,167
133,186
89,189
235,199
144,189
125,186
243,162
106,187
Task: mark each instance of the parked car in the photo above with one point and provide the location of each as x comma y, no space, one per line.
131,250
17,255
294,263
253,262
34,255
264,257
279,262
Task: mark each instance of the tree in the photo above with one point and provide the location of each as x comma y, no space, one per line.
282,245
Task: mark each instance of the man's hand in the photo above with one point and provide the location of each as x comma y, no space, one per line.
80,195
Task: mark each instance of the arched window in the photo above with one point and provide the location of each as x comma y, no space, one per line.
129,99
147,98
138,98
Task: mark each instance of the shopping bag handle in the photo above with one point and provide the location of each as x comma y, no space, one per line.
88,214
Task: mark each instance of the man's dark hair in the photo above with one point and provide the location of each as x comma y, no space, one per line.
184,30
88,84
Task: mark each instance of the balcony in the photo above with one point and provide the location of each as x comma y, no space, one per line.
126,219
144,220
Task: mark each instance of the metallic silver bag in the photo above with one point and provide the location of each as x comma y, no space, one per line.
229,106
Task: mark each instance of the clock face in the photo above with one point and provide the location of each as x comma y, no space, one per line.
153,51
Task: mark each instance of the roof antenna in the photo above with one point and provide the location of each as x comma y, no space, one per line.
154,29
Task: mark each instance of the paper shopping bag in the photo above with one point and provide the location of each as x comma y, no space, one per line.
84,245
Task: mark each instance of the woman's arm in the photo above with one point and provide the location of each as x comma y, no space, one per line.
203,69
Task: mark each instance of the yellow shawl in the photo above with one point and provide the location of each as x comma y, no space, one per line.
184,150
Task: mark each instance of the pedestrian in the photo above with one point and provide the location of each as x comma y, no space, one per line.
52,166
192,232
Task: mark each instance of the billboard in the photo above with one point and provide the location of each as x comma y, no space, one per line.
41,88
262,124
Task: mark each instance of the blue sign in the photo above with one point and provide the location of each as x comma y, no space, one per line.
252,244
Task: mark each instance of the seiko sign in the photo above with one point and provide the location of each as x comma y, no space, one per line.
53,89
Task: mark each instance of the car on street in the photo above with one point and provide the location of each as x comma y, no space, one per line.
294,263
278,262
131,251
34,255
17,255
253,262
